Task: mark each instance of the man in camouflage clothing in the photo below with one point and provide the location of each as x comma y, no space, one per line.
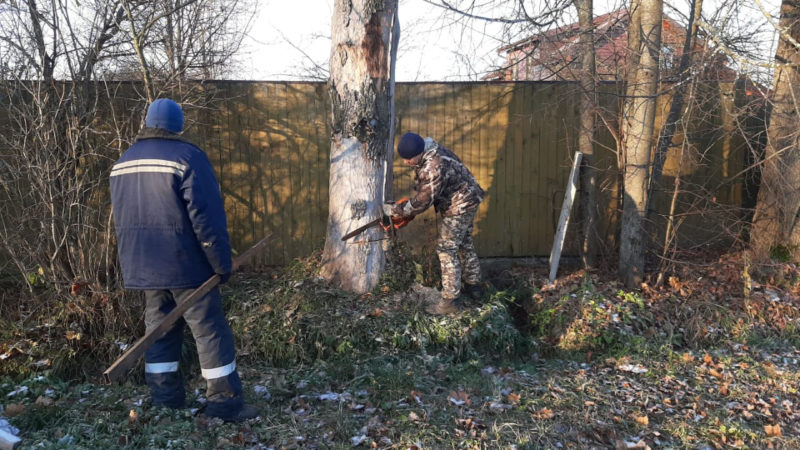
443,181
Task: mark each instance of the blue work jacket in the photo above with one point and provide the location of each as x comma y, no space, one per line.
168,214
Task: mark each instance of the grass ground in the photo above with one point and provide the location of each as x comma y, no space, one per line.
695,363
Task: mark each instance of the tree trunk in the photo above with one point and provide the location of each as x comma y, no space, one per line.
360,88
671,124
778,206
588,206
644,37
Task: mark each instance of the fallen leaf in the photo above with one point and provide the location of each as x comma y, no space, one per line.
675,283
687,357
78,287
14,409
643,420
417,397
459,398
773,430
71,335
544,413
513,398
44,401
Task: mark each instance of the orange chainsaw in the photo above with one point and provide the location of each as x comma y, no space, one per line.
389,224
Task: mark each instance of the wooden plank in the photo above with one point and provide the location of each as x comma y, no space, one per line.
260,93
544,147
251,152
301,185
286,157
523,169
271,193
505,168
322,142
517,152
487,170
277,193
563,220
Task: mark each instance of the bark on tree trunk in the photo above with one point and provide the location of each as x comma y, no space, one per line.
360,88
671,124
644,34
778,206
586,133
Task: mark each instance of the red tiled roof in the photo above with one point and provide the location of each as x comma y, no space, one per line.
548,56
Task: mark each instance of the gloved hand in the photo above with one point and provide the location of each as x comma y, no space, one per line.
397,206
224,277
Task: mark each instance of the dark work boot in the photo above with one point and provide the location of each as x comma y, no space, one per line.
445,307
247,412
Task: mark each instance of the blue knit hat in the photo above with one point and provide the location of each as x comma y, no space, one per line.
165,113
410,145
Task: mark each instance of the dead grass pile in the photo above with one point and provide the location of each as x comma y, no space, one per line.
67,334
705,304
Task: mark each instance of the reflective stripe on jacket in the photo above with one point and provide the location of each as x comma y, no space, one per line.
168,214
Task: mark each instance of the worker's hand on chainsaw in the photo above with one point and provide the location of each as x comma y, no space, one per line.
397,208
397,223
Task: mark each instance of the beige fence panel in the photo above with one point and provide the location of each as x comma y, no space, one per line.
269,143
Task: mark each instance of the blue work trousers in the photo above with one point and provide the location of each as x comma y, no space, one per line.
214,340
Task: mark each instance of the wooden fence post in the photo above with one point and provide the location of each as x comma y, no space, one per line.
563,220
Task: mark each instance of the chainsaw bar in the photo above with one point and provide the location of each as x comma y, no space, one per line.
361,229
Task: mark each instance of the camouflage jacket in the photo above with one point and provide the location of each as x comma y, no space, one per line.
443,181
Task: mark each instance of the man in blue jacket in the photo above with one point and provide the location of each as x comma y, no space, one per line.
172,236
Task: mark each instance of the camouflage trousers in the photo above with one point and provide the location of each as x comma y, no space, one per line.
457,253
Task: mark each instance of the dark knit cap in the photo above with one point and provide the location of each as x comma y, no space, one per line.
165,113
410,145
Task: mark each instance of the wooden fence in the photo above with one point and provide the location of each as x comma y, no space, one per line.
270,142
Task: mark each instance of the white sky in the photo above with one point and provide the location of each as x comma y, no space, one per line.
289,37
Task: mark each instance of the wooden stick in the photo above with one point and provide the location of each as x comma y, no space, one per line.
129,358
563,221
8,441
